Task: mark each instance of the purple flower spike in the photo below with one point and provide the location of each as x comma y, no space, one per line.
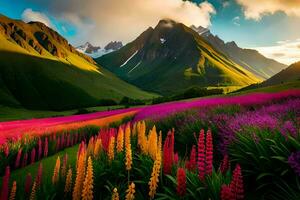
294,162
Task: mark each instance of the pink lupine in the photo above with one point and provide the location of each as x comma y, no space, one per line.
46,147
39,175
209,153
18,158
201,155
40,149
25,159
32,158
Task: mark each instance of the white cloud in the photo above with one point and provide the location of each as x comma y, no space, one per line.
286,52
105,20
30,15
236,21
255,9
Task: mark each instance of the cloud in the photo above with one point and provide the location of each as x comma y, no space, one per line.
101,20
236,21
286,52
256,9
30,15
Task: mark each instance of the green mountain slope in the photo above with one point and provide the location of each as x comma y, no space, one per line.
172,57
40,70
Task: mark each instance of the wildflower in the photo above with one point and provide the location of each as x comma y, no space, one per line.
167,159
127,134
33,192
201,155
294,162
91,147
87,193
225,164
181,182
24,162
68,185
80,174
120,140
32,160
130,192
226,193
176,158
209,153
13,191
134,129
40,149
18,158
111,149
153,183
128,157
98,147
46,147
5,182
28,183
142,139
6,150
39,175
192,162
152,149
236,185
64,166
55,176
115,195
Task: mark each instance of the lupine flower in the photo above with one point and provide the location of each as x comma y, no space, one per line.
120,140
68,185
39,176
168,154
192,165
6,150
226,193
33,152
98,147
181,182
87,192
152,149
18,158
28,183
130,192
142,139
134,129
111,149
176,158
46,147
64,166
33,192
209,153
153,183
24,162
115,195
128,157
294,162
288,128
5,183
91,147
80,175
127,134
201,155
40,149
236,185
56,170
13,191
225,164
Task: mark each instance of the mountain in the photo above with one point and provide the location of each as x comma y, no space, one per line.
96,51
39,69
172,57
250,59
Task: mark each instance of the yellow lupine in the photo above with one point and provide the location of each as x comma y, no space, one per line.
80,174
130,192
68,185
12,195
128,157
33,192
111,149
152,141
134,129
153,183
115,194
127,134
142,139
88,185
120,140
159,144
55,176
98,147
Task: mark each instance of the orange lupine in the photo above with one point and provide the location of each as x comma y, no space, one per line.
111,149
87,192
128,157
153,183
12,195
152,149
55,176
68,185
130,192
98,147
120,140
80,174
115,194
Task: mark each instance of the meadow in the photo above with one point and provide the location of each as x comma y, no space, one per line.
220,148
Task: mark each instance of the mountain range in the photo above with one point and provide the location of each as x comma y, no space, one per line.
39,69
172,57
97,51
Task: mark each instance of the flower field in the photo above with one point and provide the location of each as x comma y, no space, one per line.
219,148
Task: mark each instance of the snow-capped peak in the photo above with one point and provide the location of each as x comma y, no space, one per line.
97,51
201,30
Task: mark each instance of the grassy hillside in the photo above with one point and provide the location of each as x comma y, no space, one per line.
173,57
40,70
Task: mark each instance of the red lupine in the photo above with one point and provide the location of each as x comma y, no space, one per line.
209,153
5,182
201,155
236,185
39,175
57,143
192,162
181,182
28,183
176,158
226,193
25,158
167,157
18,158
225,164
32,158
6,150
46,147
40,149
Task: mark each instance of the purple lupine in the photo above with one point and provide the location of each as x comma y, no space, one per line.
288,128
294,162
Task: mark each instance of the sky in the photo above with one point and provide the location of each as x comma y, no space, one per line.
270,26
